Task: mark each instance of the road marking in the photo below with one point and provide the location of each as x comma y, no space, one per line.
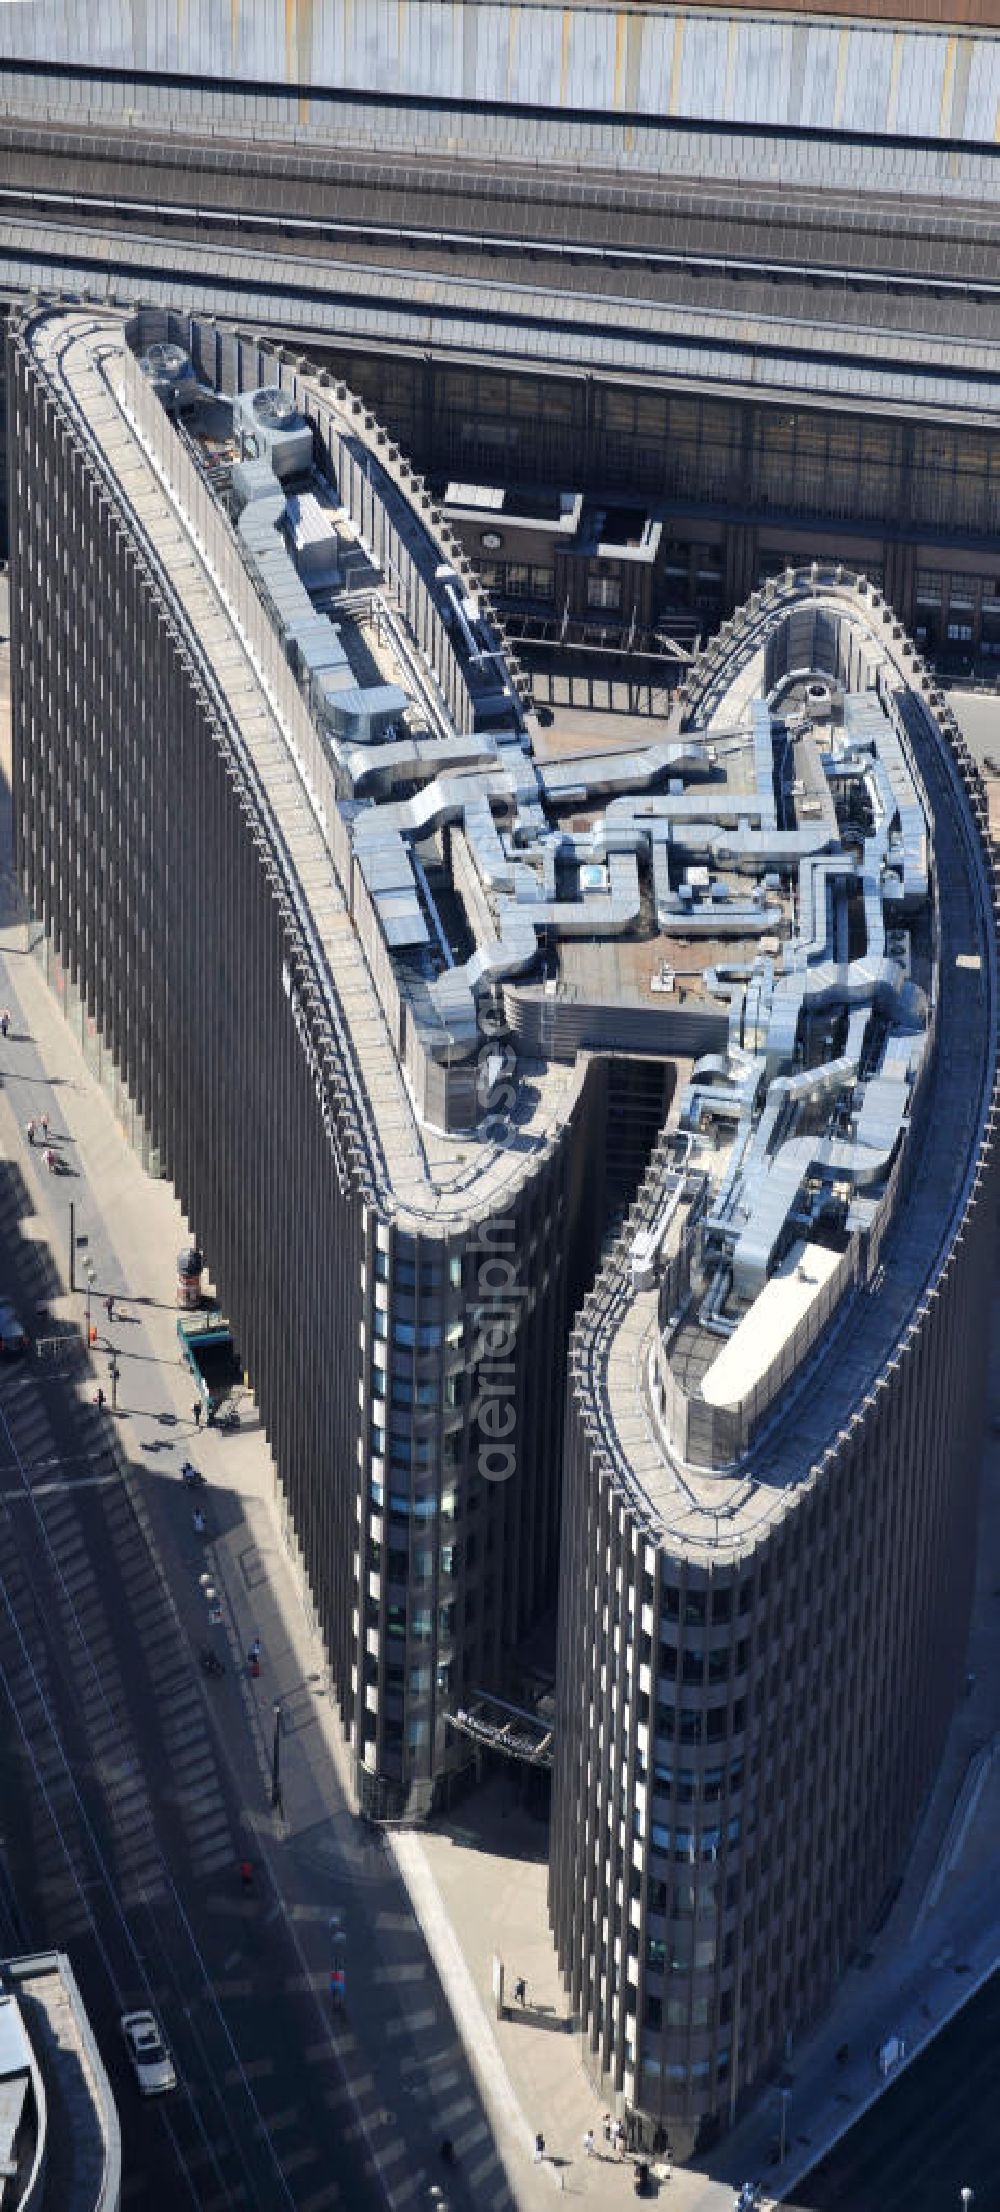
314,1979
292,2161
412,2023
56,1489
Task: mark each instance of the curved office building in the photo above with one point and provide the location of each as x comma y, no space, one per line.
265,738
393,977
776,1384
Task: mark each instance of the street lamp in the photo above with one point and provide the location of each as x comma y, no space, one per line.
784,2094
967,2196
276,1804
89,1266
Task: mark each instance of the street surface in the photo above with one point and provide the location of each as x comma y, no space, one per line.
936,2130
126,1835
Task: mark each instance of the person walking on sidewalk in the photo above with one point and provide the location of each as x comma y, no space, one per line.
539,2149
31,1132
45,1127
109,1308
196,1410
588,2143
521,1991
5,1021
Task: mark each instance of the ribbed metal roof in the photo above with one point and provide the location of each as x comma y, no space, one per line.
784,71
835,362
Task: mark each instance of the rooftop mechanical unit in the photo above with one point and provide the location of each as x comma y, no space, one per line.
272,429
169,371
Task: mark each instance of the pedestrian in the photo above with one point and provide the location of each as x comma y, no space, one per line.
99,1400
45,1126
539,2149
198,1520
5,1021
588,2143
606,2127
254,1652
617,2137
246,1873
31,1132
520,1990
196,1410
109,1308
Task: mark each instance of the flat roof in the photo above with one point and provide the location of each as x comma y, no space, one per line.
769,1323
15,2049
430,1179
776,1424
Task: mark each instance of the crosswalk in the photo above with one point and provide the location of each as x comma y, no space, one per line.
421,2091
56,1842
93,1574
435,2097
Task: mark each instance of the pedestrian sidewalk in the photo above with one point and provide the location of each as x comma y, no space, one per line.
479,1887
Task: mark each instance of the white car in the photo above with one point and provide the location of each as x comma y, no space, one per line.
154,2067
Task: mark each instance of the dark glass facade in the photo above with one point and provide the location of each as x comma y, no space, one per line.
764,1701
146,846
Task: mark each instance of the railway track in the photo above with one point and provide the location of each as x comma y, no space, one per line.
345,203
569,261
